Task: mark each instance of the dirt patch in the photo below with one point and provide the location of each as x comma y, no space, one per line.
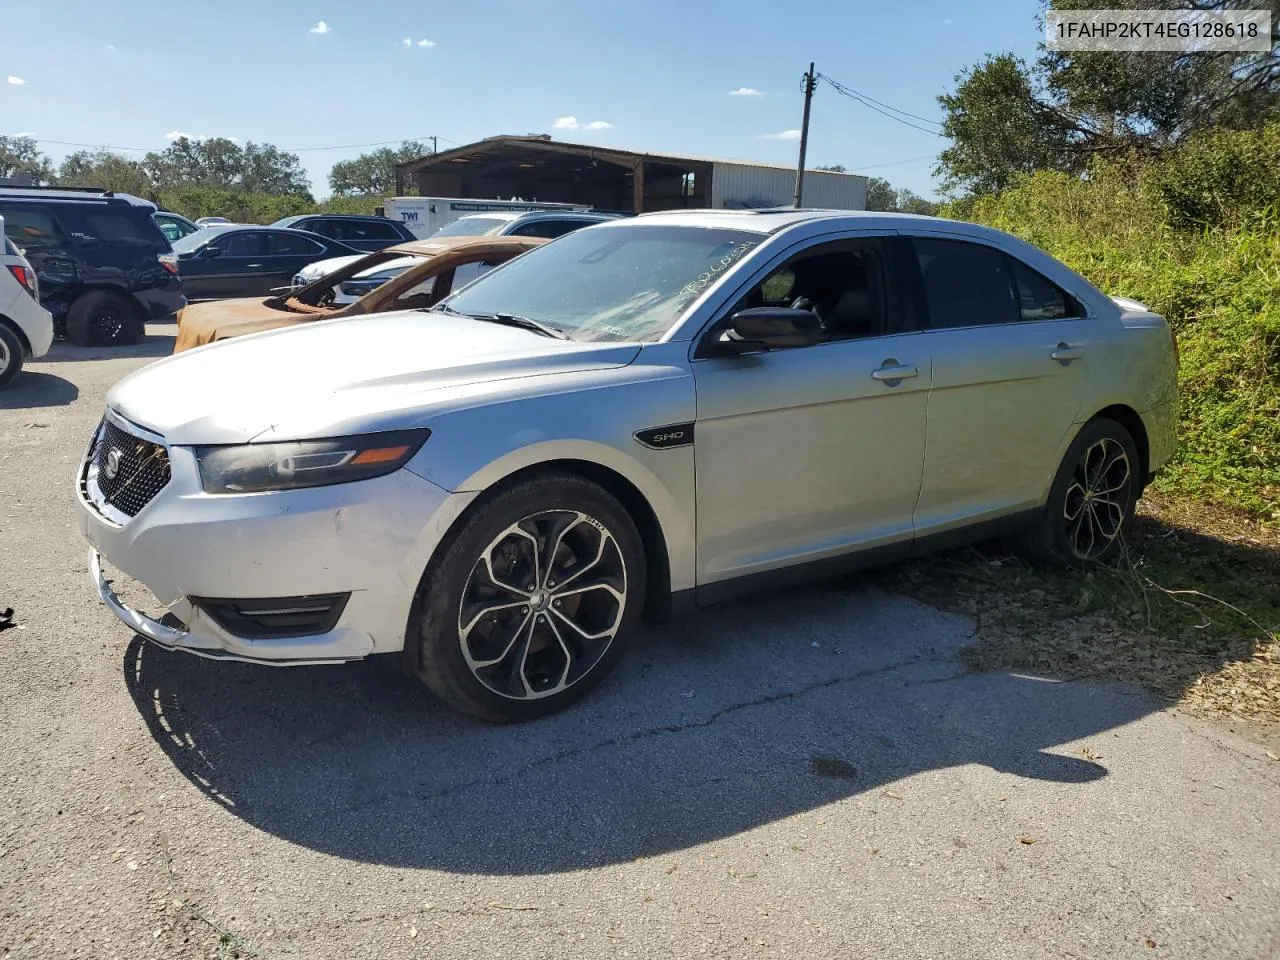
1190,610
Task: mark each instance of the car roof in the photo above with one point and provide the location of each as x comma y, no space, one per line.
777,219
511,216
86,195
438,245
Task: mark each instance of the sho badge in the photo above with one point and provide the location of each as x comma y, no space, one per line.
664,438
112,466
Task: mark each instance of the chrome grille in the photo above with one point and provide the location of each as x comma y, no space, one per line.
130,470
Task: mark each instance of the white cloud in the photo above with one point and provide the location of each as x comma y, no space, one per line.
320,28
573,123
407,41
426,43
17,82
177,134
746,92
782,135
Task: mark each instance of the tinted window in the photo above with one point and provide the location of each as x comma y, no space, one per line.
621,283
109,226
965,284
370,230
1039,298
240,244
549,229
30,227
291,245
326,228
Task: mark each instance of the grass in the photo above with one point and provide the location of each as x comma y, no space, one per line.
1189,610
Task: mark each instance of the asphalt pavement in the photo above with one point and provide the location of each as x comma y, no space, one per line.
810,773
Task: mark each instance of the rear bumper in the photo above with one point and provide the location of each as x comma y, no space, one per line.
162,302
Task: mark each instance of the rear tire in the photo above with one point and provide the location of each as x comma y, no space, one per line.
102,318
528,606
1092,497
12,354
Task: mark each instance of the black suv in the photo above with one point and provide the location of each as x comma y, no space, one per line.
105,268
363,233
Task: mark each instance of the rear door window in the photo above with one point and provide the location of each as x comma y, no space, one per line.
965,284
109,226
548,229
30,227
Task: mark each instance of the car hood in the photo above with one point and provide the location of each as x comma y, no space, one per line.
345,375
322,268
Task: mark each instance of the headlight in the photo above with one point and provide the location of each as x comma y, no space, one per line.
253,467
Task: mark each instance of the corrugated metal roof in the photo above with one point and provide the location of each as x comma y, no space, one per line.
675,158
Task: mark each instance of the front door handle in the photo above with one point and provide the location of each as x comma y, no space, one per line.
1065,353
251,266
891,371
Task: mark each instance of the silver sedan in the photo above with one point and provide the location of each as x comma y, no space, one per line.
641,417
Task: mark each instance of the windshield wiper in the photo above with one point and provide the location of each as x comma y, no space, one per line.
509,320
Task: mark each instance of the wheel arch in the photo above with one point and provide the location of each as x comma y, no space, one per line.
1132,421
121,291
21,334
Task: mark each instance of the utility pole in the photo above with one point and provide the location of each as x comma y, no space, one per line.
434,147
810,81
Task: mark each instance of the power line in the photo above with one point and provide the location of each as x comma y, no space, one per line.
891,163
867,102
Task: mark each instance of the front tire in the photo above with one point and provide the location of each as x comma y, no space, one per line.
1092,497
101,318
531,602
12,354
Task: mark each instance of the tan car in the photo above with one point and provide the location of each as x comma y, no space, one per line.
422,285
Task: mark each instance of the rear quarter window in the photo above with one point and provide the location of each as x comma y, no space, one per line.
112,226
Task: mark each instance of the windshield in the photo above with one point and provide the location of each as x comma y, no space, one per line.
473,227
193,241
610,283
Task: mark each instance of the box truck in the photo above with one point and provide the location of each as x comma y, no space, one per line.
425,215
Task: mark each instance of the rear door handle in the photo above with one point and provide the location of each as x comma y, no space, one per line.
891,370
1065,353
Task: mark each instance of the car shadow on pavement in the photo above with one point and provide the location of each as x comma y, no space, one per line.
157,343
30,389
714,724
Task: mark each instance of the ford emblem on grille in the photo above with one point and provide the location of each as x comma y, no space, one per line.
112,466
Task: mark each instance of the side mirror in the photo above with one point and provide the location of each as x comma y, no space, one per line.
211,252
768,328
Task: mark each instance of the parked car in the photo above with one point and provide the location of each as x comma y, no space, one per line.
649,414
213,222
26,328
242,261
433,268
104,266
546,225
174,226
362,233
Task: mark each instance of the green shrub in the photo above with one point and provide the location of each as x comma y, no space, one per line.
1140,232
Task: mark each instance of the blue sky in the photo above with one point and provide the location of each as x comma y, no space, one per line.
653,76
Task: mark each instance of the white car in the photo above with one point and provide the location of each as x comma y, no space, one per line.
26,328
645,415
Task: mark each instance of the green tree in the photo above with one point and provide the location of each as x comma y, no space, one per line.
101,168
222,164
373,173
21,155
881,195
1006,118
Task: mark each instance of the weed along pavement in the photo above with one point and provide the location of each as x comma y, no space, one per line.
811,773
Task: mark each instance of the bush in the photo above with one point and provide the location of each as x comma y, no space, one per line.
1209,262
